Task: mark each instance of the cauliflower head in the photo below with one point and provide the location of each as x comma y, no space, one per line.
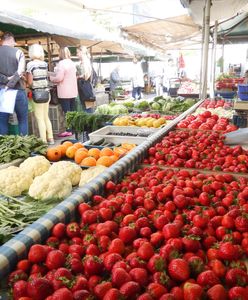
14,181
48,186
89,174
69,169
36,165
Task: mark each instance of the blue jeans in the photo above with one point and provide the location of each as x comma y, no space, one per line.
136,92
68,104
21,110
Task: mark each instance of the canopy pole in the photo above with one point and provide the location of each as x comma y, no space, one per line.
223,50
205,49
49,53
201,70
213,61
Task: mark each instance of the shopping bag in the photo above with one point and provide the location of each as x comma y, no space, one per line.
237,137
7,100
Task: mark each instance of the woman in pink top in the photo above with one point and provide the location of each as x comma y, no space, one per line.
66,80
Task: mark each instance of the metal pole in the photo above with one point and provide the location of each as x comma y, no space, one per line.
223,50
201,70
205,50
213,65
49,54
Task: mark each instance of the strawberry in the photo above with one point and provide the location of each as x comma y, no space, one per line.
127,234
110,260
38,268
39,288
130,289
179,269
117,246
113,294
15,276
76,265
139,275
72,230
62,294
19,289
167,297
24,265
156,290
237,293
93,265
228,251
236,276
145,296
207,279
192,291
119,277
217,292
101,289
81,295
145,251
218,267
156,263
191,243
196,265
52,241
37,254
59,230
55,259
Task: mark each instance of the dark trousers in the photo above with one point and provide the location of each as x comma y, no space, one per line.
21,110
68,104
136,93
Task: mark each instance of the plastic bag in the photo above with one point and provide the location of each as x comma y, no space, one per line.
237,137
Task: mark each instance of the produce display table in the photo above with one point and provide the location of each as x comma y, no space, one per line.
18,246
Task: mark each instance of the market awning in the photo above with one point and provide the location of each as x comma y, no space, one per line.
164,34
220,9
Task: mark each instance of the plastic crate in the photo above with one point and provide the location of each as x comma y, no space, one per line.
243,92
57,118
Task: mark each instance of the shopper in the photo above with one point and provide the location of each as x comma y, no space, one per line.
84,76
66,80
137,79
37,80
114,81
12,67
246,77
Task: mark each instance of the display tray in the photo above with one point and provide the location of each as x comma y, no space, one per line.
194,96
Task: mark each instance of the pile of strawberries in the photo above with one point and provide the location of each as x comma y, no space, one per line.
159,234
200,150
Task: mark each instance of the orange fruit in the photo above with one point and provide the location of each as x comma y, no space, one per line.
114,157
80,155
63,149
106,152
70,152
120,151
67,144
78,145
106,161
94,152
53,154
88,161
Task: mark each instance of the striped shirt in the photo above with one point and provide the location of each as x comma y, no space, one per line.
38,69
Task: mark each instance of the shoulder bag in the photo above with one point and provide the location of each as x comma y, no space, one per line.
41,95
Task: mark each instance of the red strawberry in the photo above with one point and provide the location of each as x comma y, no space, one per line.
156,263
39,288
217,292
191,243
145,251
177,292
241,223
110,260
218,267
62,272
59,230
167,297
228,251
55,259
196,265
156,290
76,265
101,289
145,296
19,289
139,275
81,295
192,291
117,246
130,289
236,276
37,254
24,265
179,269
72,230
127,234
16,275
207,279
93,265
62,294
38,268
238,293
119,277
80,283
113,294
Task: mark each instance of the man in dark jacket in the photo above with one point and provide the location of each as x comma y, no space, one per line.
12,67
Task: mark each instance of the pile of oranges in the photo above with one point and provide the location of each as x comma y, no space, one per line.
86,157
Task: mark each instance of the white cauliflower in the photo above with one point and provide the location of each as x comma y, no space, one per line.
14,181
69,169
36,165
48,186
90,173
